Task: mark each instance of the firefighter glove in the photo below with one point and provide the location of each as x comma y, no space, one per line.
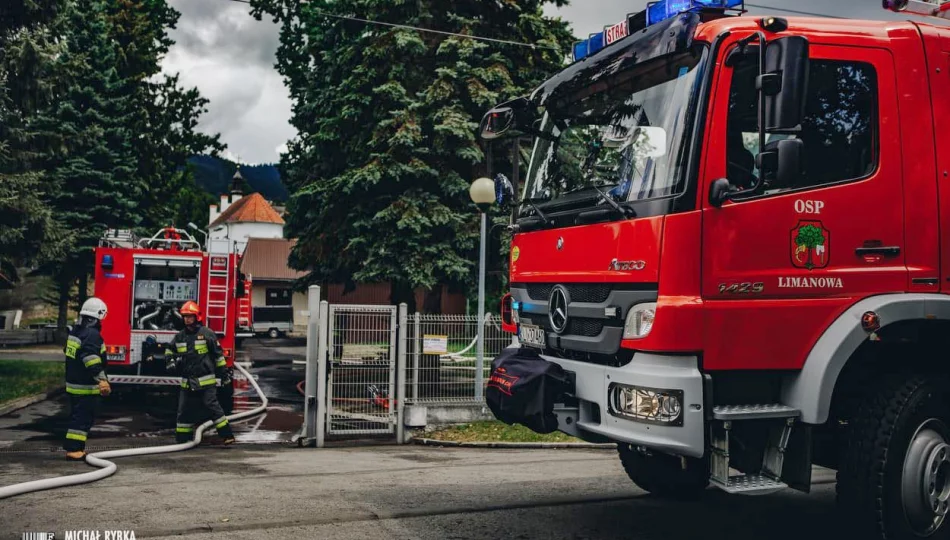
104,388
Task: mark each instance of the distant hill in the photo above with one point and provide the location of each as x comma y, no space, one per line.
214,176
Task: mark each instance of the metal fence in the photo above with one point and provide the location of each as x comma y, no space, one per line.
362,379
442,357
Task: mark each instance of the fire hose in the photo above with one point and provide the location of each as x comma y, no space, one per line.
108,468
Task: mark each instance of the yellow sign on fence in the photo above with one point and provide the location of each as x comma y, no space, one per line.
435,344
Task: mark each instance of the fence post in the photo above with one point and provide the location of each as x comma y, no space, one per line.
417,356
401,374
310,386
322,361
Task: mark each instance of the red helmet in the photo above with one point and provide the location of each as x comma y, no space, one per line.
191,308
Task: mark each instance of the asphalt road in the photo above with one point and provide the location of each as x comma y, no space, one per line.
396,492
262,491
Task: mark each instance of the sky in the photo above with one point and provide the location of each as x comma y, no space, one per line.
230,57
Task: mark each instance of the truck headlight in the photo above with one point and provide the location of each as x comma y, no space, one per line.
639,320
654,405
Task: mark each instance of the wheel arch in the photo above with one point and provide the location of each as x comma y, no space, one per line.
811,389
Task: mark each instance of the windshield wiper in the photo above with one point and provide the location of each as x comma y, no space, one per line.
530,202
625,211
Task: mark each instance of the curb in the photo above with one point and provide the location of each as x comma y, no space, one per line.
547,445
23,402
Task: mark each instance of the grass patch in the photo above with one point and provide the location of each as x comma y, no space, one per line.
20,378
495,431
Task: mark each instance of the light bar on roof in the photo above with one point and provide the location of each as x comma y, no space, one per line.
664,9
656,12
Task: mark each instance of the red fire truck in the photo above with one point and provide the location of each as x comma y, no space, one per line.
145,281
733,242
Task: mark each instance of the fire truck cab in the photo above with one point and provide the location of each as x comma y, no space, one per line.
734,239
145,281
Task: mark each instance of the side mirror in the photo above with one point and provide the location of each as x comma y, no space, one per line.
785,82
504,191
788,169
496,123
719,192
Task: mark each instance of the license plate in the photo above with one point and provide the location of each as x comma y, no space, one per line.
532,336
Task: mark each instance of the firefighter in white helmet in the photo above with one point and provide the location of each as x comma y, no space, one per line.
86,378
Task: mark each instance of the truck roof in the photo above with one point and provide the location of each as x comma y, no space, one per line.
810,26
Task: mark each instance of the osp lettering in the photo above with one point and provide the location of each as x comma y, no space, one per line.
808,207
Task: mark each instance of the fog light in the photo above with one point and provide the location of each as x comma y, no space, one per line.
651,405
639,320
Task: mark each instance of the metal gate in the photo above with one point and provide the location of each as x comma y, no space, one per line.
361,389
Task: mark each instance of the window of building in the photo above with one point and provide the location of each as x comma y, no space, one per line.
839,129
278,297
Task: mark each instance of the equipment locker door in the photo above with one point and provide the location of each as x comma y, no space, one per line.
778,267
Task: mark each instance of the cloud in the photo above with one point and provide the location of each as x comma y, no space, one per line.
230,57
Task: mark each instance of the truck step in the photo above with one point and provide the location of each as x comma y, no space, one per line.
754,412
749,484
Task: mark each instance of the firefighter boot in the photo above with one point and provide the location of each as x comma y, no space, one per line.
78,455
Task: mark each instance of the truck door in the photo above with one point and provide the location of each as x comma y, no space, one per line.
779,266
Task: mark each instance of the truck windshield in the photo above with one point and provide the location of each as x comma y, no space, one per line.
625,135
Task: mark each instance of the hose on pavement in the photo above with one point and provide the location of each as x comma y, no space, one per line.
108,468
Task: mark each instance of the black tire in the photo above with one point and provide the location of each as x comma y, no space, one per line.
885,485
663,475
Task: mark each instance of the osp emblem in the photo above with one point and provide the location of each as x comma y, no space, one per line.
557,309
810,245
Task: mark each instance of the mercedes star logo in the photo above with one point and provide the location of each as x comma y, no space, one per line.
557,309
560,243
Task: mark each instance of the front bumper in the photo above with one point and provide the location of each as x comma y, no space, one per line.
645,370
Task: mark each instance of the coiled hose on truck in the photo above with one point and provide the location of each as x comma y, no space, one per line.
108,468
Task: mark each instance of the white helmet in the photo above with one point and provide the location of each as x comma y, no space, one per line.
95,308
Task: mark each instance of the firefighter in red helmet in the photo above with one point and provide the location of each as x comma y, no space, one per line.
196,356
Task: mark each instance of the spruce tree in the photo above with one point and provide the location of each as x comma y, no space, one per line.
387,118
94,185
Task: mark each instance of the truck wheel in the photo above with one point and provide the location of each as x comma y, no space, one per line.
273,333
894,477
663,474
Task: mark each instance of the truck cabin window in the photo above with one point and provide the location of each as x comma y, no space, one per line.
625,134
839,129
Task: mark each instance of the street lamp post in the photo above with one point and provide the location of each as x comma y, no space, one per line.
482,192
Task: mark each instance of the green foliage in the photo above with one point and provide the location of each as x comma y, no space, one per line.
810,236
23,378
387,123
28,233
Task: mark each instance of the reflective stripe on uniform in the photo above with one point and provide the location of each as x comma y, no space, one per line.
76,435
102,350
91,360
82,389
181,347
207,380
184,383
222,362
184,428
73,344
221,422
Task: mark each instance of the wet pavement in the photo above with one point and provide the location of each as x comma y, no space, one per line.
134,416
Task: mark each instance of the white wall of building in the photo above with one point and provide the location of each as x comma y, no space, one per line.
239,233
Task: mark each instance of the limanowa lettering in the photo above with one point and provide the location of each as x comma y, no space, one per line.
810,283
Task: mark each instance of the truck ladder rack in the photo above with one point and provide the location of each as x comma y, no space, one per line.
937,8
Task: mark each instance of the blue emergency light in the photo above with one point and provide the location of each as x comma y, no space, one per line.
107,262
656,12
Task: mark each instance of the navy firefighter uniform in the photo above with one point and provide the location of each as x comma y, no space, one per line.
196,356
86,378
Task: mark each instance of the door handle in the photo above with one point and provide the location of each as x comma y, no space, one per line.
887,251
